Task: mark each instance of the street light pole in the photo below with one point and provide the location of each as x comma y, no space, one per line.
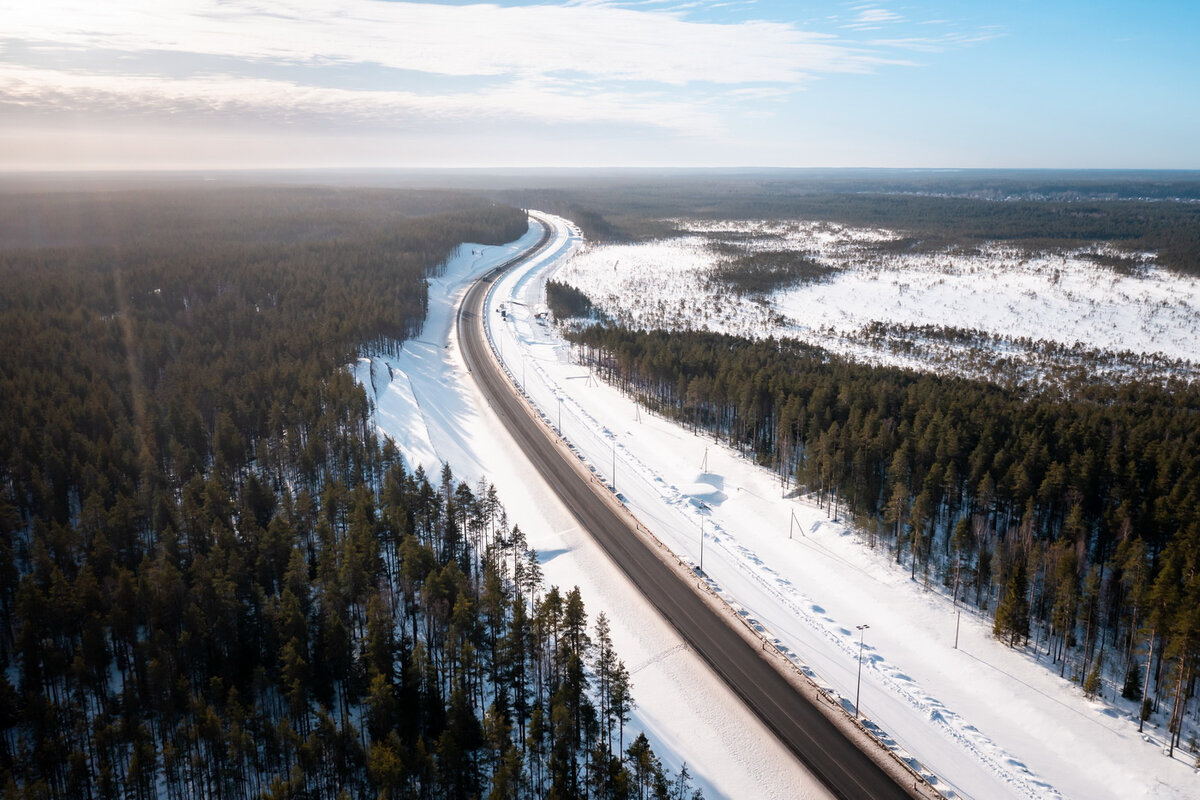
702,544
1145,684
858,688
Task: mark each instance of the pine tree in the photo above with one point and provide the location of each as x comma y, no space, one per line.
1131,689
622,702
1091,684
1012,612
603,666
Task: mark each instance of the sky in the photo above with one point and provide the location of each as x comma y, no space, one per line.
198,84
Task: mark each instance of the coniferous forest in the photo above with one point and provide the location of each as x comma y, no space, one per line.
1068,511
1155,211
1071,517
215,581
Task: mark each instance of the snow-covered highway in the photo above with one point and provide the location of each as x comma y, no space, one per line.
800,724
989,721
427,403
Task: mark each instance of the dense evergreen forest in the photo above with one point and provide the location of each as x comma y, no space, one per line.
1073,518
215,581
565,301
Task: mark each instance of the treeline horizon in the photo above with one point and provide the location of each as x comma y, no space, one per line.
933,212
215,580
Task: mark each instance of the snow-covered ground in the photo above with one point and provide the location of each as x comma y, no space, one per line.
426,401
990,721
1066,299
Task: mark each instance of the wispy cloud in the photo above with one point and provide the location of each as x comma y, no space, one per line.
587,60
683,68
287,102
872,18
941,42
601,40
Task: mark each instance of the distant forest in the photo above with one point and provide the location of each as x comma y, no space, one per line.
1136,211
215,581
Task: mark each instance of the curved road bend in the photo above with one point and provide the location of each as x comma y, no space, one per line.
845,770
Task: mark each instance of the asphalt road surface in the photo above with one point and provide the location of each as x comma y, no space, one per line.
844,770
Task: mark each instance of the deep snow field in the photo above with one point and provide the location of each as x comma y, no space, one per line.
1034,313
988,721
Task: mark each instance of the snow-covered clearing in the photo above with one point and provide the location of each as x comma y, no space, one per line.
427,402
1141,319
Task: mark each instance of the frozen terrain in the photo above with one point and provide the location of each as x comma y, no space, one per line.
1033,312
991,722
427,403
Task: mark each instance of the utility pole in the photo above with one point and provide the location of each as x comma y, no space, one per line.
1145,684
702,544
794,523
614,465
957,622
858,688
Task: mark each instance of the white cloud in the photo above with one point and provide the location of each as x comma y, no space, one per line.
283,102
870,18
599,40
936,44
645,72
288,61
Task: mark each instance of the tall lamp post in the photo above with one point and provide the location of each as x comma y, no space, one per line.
614,468
858,688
